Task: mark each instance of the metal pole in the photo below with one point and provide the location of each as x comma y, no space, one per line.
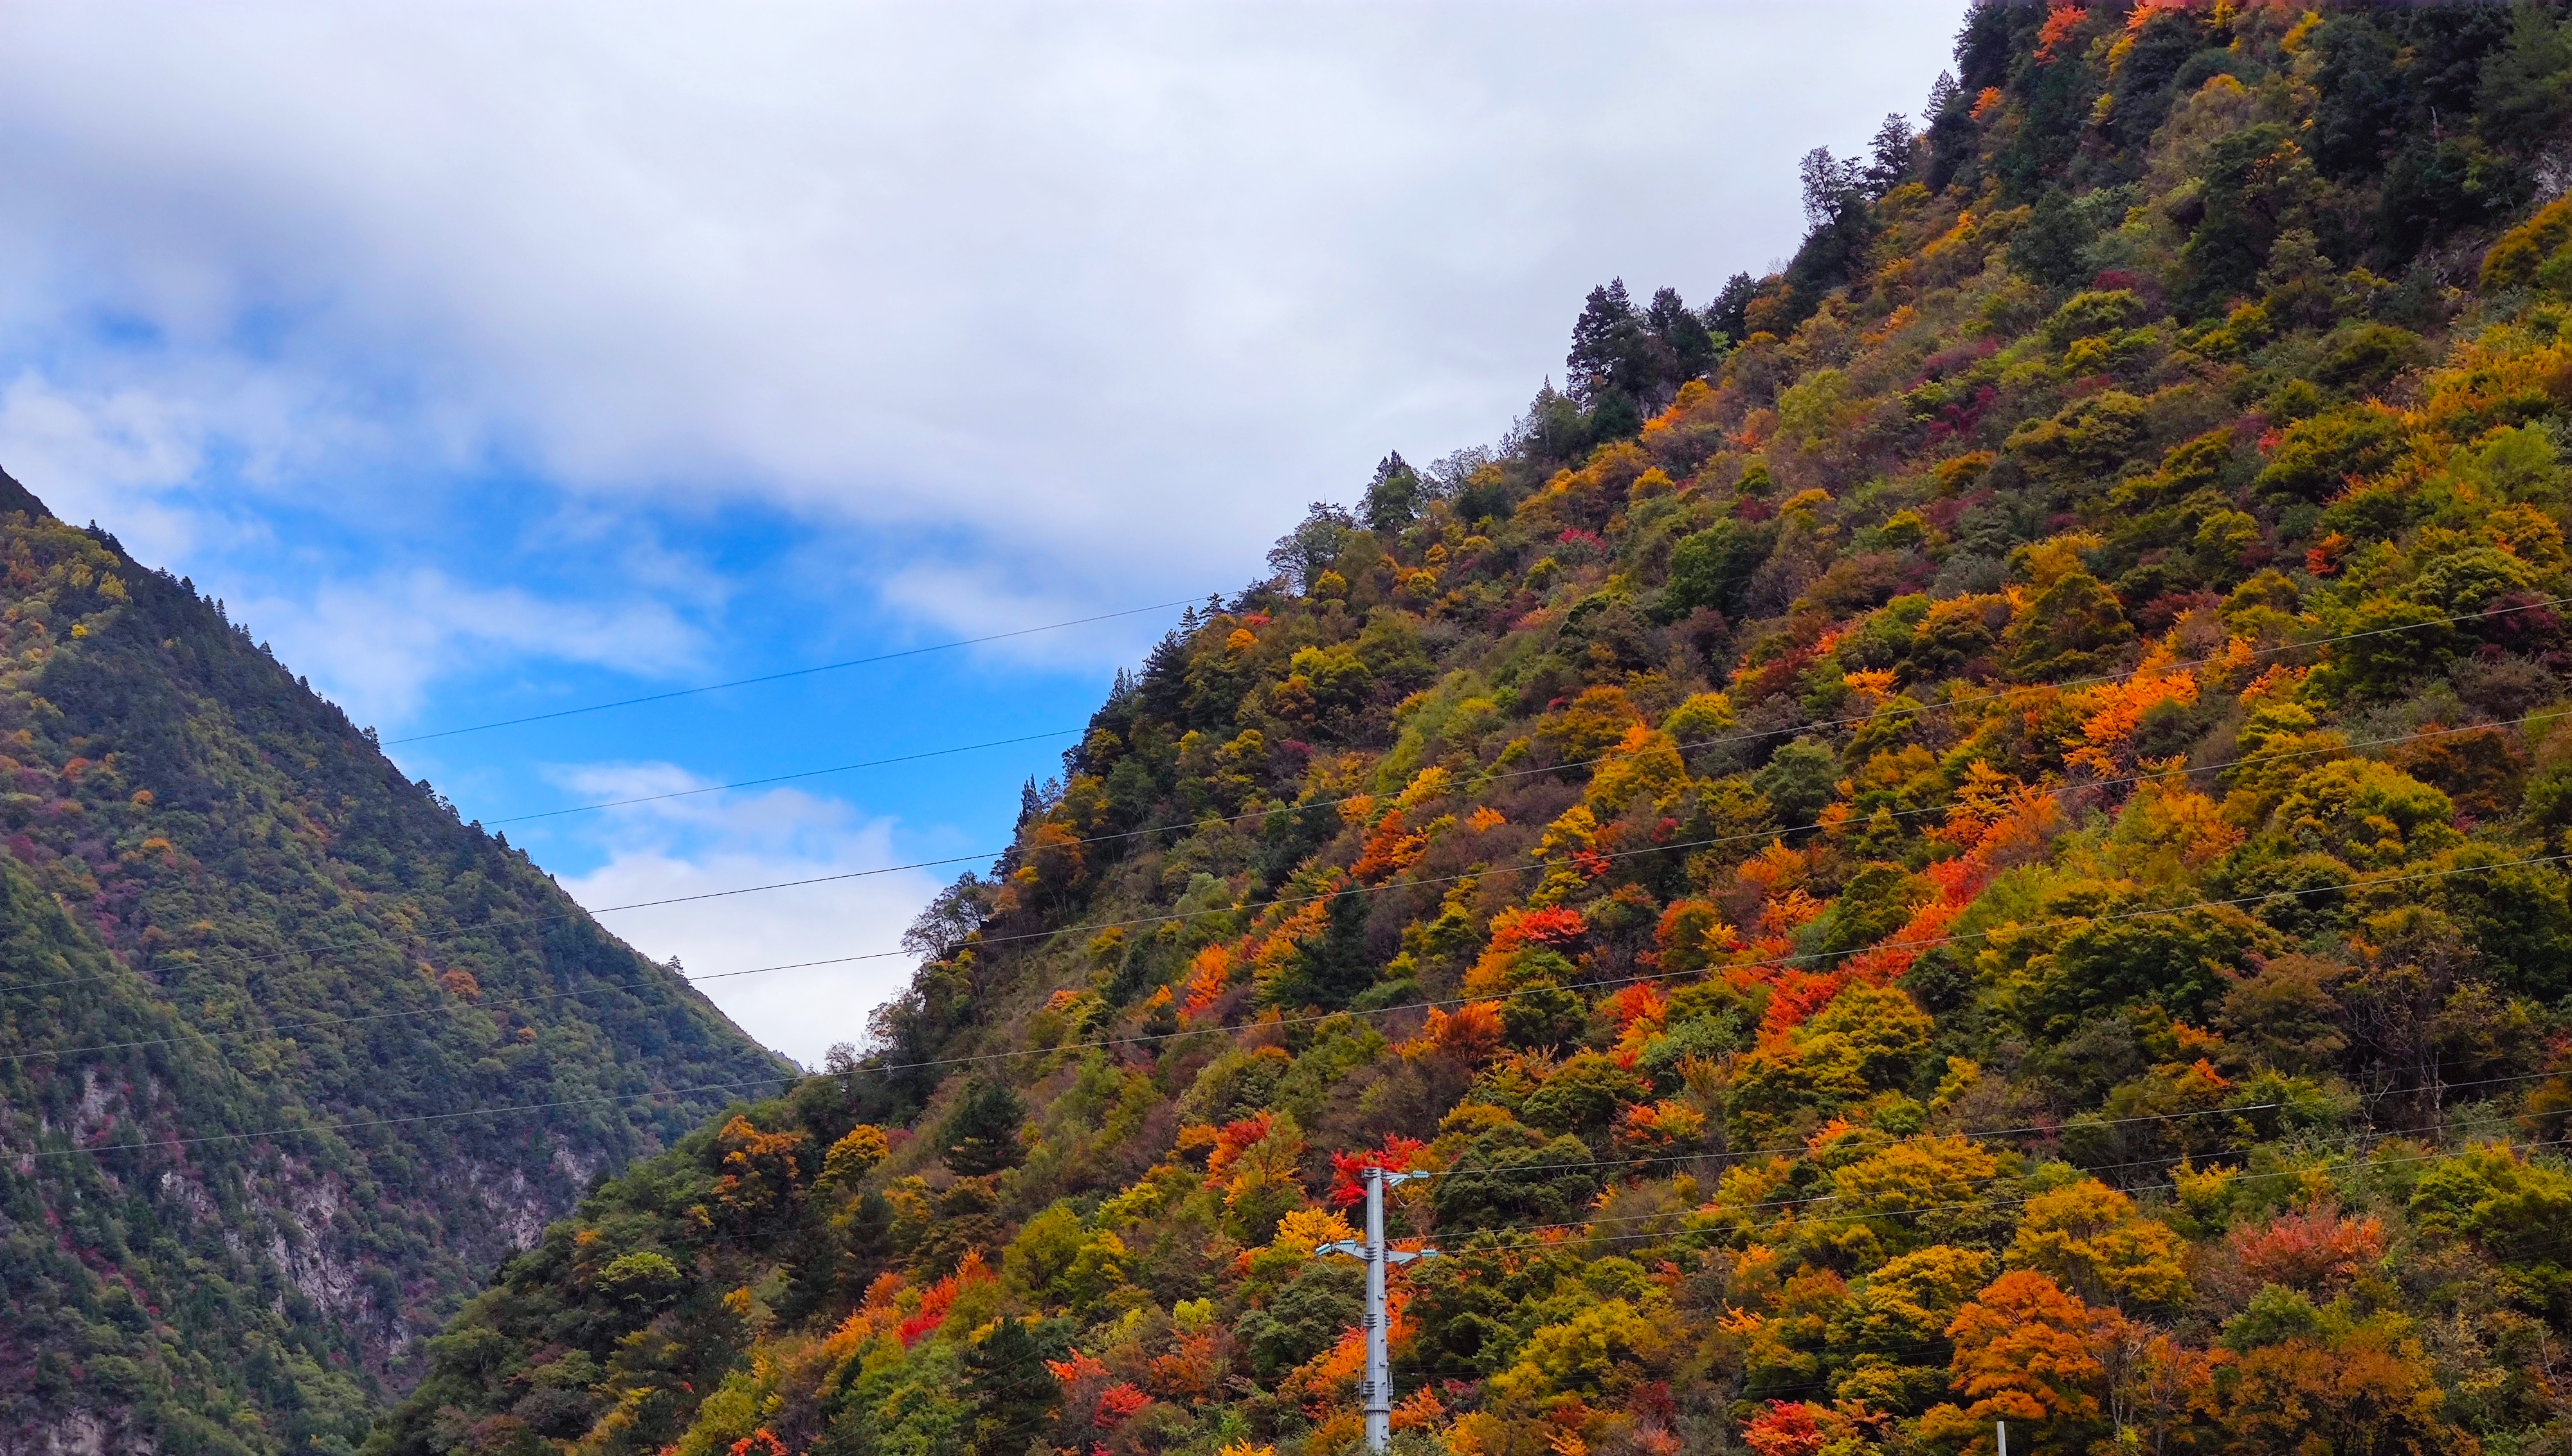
2004,1430
1379,1364
1377,1391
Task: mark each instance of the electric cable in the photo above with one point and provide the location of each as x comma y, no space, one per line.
274,1027
406,1119
1503,869
1721,739
2182,772
1770,962
1479,779
1970,1203
2377,1135
1776,961
2053,1130
782,676
1736,1153
2206,769
618,804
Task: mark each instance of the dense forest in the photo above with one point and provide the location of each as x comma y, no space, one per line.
1979,829
257,994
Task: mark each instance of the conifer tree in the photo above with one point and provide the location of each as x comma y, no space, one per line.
1394,496
982,1134
1014,1397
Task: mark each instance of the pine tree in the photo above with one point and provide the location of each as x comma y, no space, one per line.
1612,352
1393,497
1164,689
982,1134
1728,314
1891,155
1014,1397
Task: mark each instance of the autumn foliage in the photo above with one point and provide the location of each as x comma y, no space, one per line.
1986,847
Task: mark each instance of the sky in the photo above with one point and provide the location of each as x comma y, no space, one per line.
493,361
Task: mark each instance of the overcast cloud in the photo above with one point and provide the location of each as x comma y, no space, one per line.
1122,278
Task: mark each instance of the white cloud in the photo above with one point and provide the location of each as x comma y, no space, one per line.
126,440
118,450
1001,600
375,645
1113,290
723,841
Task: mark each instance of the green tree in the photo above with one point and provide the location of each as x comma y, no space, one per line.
982,1134
2259,184
1711,569
2073,626
1014,1397
2048,247
1394,496
1303,554
1800,781
1321,1303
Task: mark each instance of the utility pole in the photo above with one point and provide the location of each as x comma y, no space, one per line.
1377,1391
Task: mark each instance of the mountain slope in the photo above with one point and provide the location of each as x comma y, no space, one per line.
1975,831
234,933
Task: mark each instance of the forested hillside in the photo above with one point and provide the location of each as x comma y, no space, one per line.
1976,831
260,998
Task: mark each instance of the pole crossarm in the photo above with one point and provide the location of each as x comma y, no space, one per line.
1377,1388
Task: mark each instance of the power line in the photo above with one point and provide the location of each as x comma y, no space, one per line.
1515,1169
1467,786
2069,1123
1997,1202
1458,1001
1354,889
2378,1135
1721,739
788,966
266,1031
614,1097
1771,963
1425,1005
1690,746
1461,788
782,676
618,804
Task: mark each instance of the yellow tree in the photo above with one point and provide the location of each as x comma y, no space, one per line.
2090,1237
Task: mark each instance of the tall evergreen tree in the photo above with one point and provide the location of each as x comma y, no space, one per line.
1892,155
1684,342
2048,248
982,1134
1394,496
1613,351
1728,313
1014,1397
